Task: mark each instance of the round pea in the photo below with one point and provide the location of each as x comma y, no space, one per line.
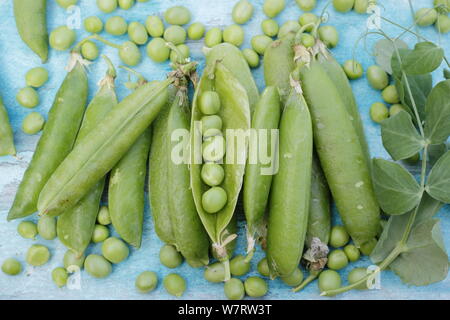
170,257
37,255
343,5
89,50
116,26
212,174
103,216
212,133
213,150
252,57
11,267
353,69
242,11
234,34
27,97
115,250
33,123
270,27
234,289
272,8
154,26
308,40
214,199
47,227
238,266
338,237
175,34
36,77
126,4
396,108
62,38
357,274
97,266
255,287
307,5
287,27
174,284
329,280
379,112
177,15
129,53
137,33
390,94
183,50
260,43
107,6
426,17
367,248
209,103
93,24
378,78
101,233
66,3
337,260
352,252
211,122
443,24
309,19
196,31
146,281
27,229
72,259
294,279
60,277
263,267
215,272
361,6
157,50
329,36
213,37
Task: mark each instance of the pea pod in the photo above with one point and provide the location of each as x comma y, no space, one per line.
76,226
6,133
31,24
57,139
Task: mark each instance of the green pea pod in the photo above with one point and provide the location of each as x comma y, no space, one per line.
76,226
57,139
257,180
31,24
291,188
126,197
6,133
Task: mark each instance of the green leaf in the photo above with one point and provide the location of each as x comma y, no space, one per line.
400,137
425,58
396,189
437,122
438,184
383,51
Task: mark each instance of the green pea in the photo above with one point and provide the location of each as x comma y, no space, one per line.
270,27
196,31
338,237
157,50
309,19
97,266
33,123
234,289
367,248
379,112
212,174
137,33
426,17
107,6
93,24
357,274
255,287
294,279
238,266
115,250
212,133
337,260
329,36
306,5
27,97
263,267
353,69
361,6
174,284
272,8
89,50
390,94
101,233
116,26
260,43
329,280
37,255
211,122
287,27
396,108
146,281
36,77
184,52
213,151
60,277
103,216
72,259
209,103
308,40
443,24
234,34
126,4
66,3
213,37
252,57
242,12
27,229
214,199
177,15
343,5
62,38
378,78
215,272
175,34
155,26
47,227
352,252
129,53
11,267
170,257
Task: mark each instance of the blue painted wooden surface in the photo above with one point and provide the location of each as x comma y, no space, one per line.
16,59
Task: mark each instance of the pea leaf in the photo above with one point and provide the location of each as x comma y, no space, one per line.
438,184
383,51
400,137
425,58
396,189
437,124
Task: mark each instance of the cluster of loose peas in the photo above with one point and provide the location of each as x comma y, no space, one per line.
437,16
360,6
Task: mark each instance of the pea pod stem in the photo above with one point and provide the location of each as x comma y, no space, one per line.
312,276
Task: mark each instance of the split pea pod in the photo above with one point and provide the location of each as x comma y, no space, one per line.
57,139
6,133
76,226
31,23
